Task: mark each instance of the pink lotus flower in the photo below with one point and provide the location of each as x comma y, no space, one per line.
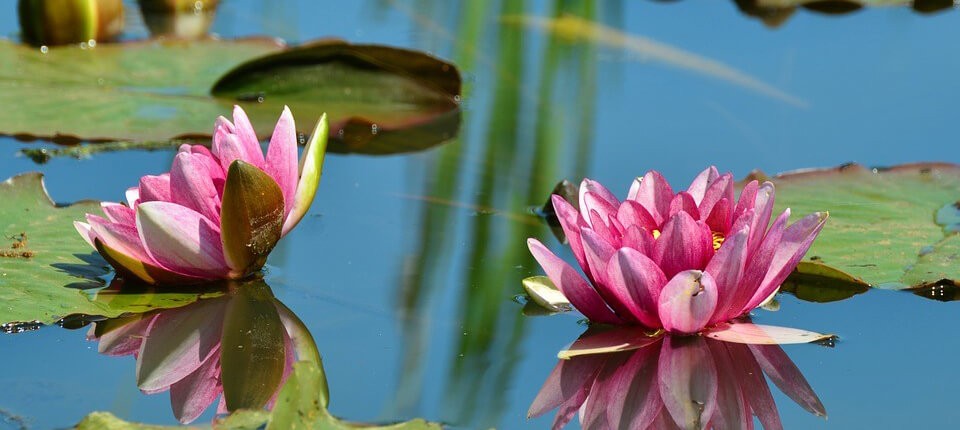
670,382
217,214
677,261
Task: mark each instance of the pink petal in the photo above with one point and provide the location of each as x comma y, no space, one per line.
683,244
281,162
688,381
599,191
122,238
598,340
217,174
721,217
191,185
155,188
794,243
687,302
748,198
636,281
582,296
193,394
248,138
570,221
700,184
602,229
632,213
654,194
683,202
763,206
759,334
118,213
599,253
85,232
594,203
133,196
639,239
181,239
787,377
758,263
720,189
726,268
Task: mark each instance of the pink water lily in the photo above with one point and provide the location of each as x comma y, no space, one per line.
675,261
218,213
670,382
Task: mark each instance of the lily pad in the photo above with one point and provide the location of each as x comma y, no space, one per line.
47,269
379,99
882,230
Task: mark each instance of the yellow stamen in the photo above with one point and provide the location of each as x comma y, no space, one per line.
656,234
717,240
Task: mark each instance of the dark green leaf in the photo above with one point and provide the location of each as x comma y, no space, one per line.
815,282
379,99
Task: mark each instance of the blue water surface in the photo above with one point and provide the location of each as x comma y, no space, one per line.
405,268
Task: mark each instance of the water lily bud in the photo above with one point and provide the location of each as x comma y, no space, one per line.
182,19
60,22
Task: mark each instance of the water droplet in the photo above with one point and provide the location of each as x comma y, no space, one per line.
259,99
374,129
44,49
92,43
83,45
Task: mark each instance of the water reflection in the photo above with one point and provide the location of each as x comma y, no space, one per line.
671,382
239,347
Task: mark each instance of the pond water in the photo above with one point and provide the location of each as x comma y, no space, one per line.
406,267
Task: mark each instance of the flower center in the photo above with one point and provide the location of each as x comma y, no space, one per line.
656,234
717,240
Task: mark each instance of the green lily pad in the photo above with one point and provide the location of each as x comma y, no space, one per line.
882,230
816,282
47,269
379,99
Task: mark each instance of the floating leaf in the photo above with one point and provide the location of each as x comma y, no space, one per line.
45,265
127,91
758,334
379,99
882,230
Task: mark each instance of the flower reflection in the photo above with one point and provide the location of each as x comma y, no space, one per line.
670,382
239,347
